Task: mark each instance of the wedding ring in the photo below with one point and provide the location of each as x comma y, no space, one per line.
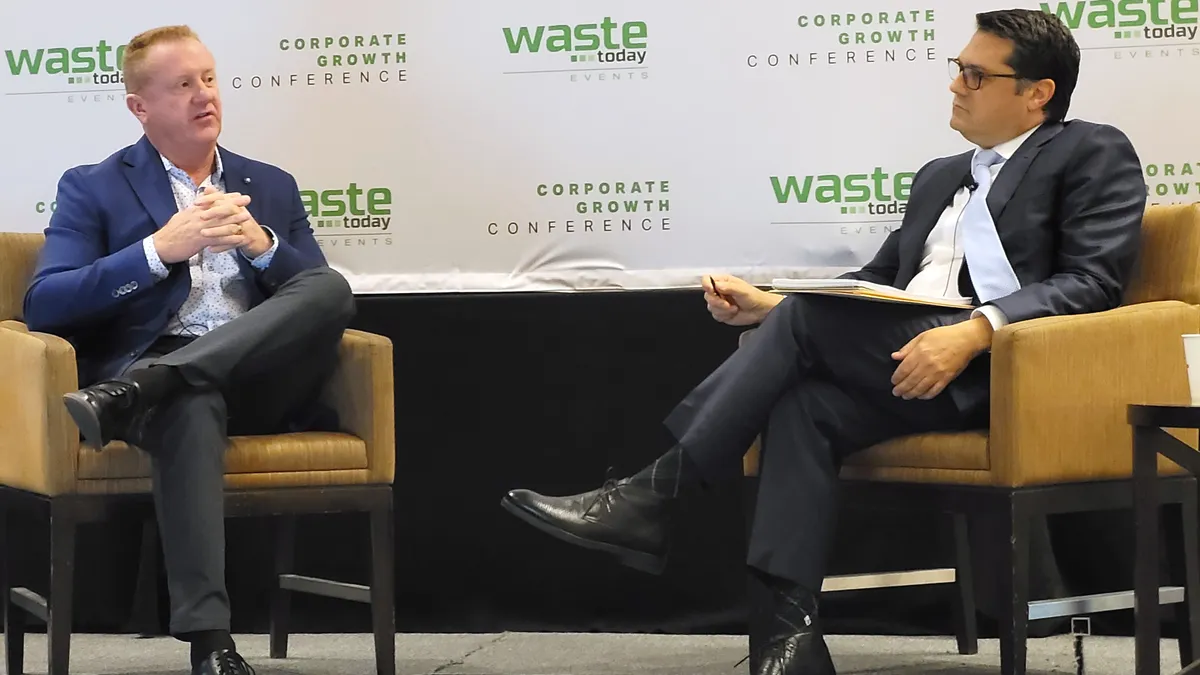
239,228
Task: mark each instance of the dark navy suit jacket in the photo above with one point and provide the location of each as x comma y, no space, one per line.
1068,207
93,285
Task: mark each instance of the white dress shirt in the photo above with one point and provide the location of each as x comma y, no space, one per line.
943,257
219,292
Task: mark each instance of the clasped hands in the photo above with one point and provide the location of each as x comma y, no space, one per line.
928,363
217,221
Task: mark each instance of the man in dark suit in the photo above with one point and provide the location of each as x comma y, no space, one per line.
199,305
1041,219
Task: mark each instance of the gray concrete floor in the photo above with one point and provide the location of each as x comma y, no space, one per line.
584,654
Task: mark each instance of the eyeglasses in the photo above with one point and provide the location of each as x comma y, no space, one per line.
973,77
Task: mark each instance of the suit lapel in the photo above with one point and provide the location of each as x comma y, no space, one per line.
148,177
1014,169
926,208
237,179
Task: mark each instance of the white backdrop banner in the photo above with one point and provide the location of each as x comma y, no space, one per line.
463,145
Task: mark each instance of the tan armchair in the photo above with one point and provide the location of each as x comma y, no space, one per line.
44,468
1058,440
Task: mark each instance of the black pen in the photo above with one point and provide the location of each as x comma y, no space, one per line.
713,283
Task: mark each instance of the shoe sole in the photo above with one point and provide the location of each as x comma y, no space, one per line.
85,418
638,560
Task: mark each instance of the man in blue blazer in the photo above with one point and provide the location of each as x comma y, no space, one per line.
200,306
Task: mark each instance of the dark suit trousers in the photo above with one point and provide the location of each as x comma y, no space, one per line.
815,380
253,375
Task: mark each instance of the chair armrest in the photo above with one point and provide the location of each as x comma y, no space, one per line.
18,258
1060,387
39,444
361,390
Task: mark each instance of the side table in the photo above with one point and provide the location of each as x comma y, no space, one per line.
1150,440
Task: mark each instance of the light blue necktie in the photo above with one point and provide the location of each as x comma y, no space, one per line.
991,274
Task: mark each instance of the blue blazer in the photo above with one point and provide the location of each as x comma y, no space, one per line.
92,284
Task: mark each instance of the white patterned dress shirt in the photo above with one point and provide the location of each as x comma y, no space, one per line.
219,292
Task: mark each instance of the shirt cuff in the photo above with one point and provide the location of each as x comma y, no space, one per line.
263,261
157,268
993,314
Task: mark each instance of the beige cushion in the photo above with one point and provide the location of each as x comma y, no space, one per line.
965,450
1169,268
283,453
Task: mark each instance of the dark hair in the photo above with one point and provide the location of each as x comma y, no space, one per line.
1043,49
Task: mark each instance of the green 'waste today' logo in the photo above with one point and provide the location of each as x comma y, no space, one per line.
874,193
608,42
1144,21
350,208
97,65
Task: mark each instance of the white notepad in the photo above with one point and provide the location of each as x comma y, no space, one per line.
866,290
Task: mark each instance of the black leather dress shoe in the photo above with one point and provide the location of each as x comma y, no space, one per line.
223,662
787,640
107,411
625,520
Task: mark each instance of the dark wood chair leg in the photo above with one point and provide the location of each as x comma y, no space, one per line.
1185,558
62,588
281,599
966,625
4,555
383,594
1013,527
13,619
14,637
